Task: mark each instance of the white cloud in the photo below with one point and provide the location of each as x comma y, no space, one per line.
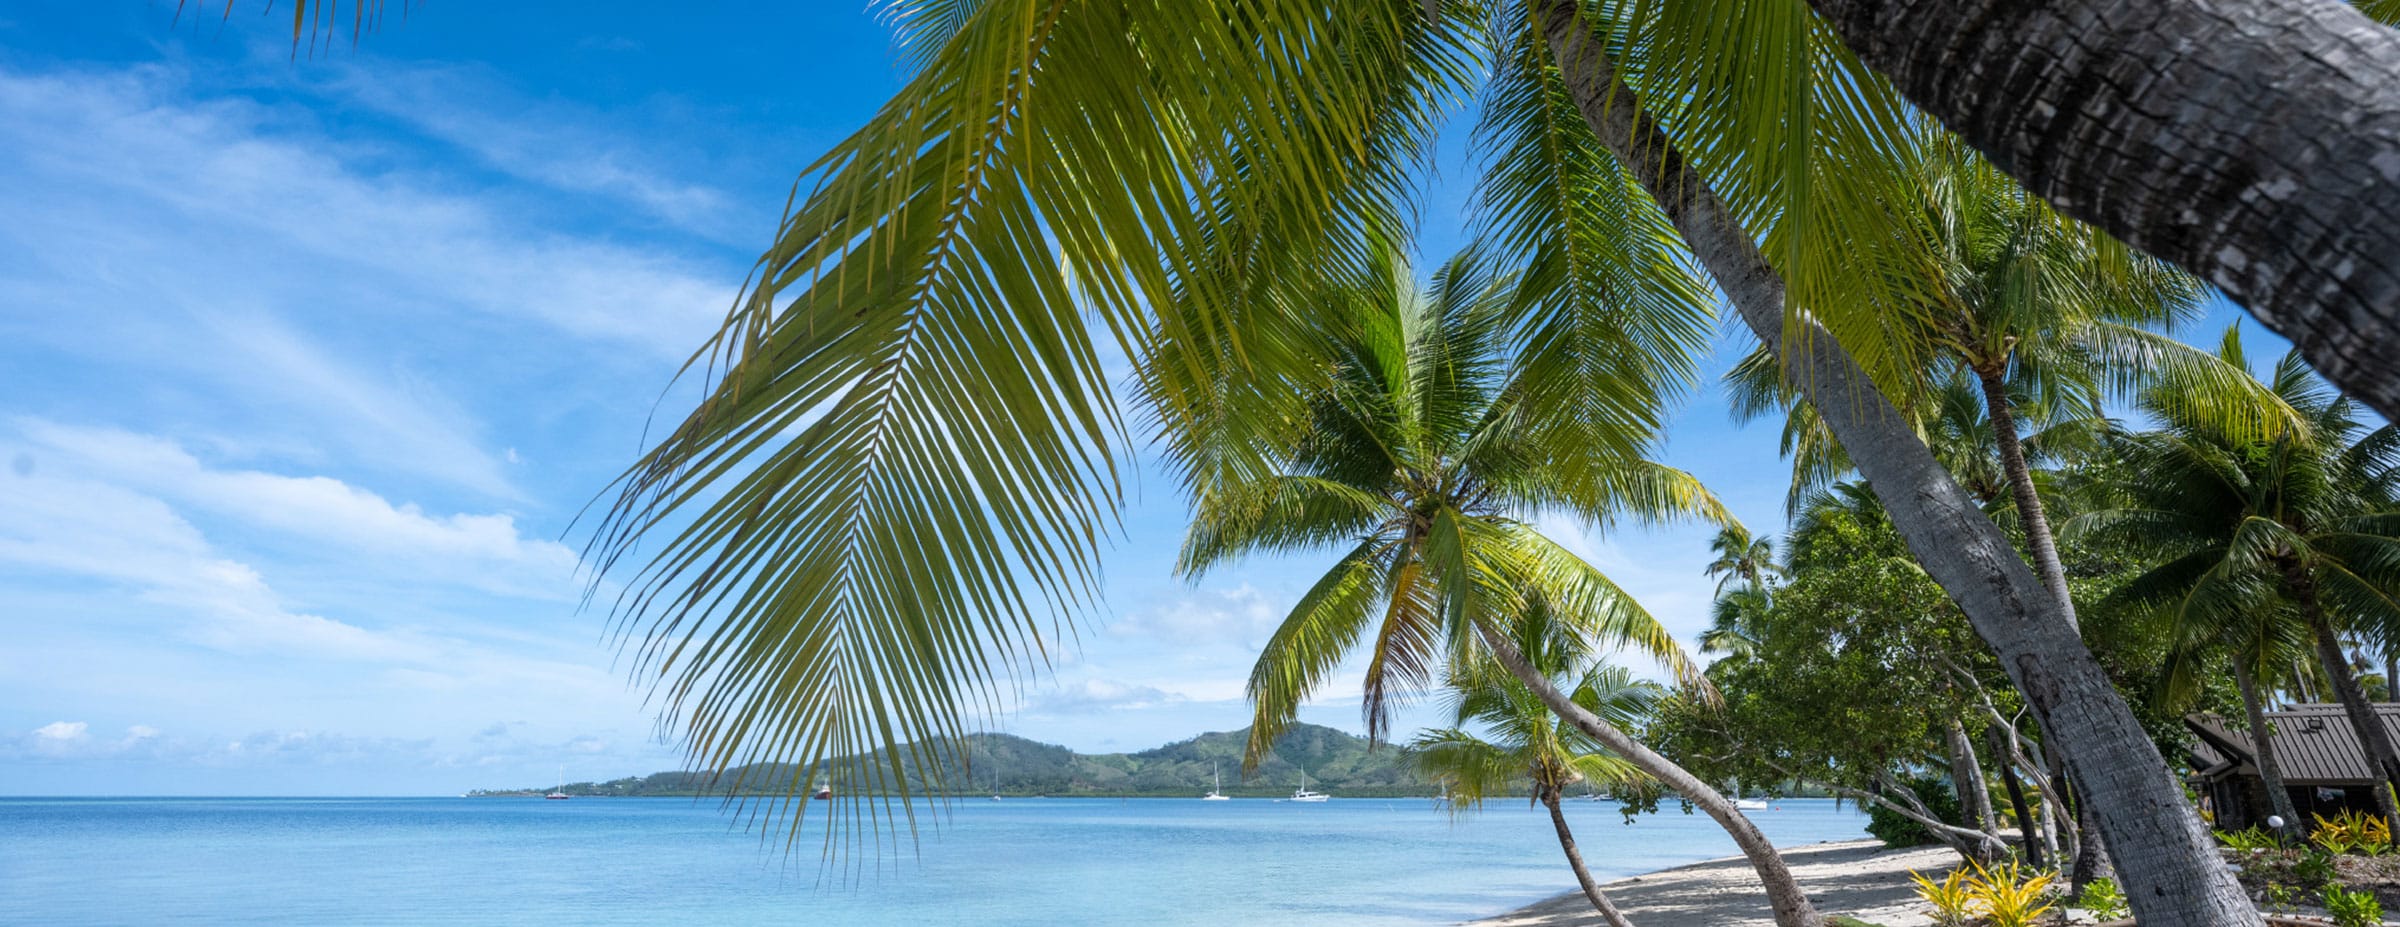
1238,615
62,730
125,175
540,141
1091,696
486,551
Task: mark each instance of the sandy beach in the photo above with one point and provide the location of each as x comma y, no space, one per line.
1858,878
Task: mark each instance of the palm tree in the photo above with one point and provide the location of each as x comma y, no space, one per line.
1735,620
1741,556
1424,460
894,496
1523,739
2245,531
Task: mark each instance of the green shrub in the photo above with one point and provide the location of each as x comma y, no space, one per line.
1898,831
2104,899
2249,839
2281,898
2352,909
2314,869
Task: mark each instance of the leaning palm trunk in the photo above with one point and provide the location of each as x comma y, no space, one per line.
1791,905
2039,542
2270,769
1566,841
2253,142
2169,861
2030,833
2373,740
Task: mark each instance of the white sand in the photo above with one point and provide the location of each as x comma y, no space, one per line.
1858,878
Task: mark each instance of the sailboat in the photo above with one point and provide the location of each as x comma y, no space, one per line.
1304,794
995,782
559,793
1216,792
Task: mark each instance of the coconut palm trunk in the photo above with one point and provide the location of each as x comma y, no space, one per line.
2373,740
2028,829
1790,904
2039,541
2168,859
1583,876
2270,769
2253,142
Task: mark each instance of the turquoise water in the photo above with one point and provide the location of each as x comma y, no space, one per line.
671,861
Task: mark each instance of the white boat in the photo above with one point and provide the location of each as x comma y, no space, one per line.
995,783
560,792
1216,792
1304,794
1751,804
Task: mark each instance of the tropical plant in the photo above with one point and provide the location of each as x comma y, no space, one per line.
2280,897
2314,868
2008,896
2103,899
1422,458
1523,740
1741,556
893,497
2250,839
2297,529
1736,620
2349,831
2352,908
1952,898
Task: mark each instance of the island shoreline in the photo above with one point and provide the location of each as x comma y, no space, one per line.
1856,878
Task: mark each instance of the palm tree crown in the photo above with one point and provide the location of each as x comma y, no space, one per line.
1419,459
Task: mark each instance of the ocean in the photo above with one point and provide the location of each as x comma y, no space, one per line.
595,861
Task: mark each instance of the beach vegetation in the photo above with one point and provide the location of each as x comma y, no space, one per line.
1952,897
2352,908
2252,839
2103,900
2009,896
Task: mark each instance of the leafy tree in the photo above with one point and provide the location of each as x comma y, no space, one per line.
1863,671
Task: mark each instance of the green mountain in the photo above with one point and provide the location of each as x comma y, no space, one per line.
1335,761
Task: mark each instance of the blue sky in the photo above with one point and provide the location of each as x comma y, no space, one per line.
307,366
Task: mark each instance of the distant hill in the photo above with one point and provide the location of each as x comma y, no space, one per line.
1336,761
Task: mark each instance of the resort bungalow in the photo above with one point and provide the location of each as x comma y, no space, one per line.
2323,768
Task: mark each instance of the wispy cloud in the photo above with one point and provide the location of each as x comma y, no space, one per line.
486,551
131,183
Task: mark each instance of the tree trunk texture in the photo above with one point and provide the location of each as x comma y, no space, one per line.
2253,142
2270,770
1966,778
2176,876
1791,905
2030,514
2029,831
2373,740
1566,841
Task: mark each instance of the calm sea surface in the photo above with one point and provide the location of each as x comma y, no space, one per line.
672,861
